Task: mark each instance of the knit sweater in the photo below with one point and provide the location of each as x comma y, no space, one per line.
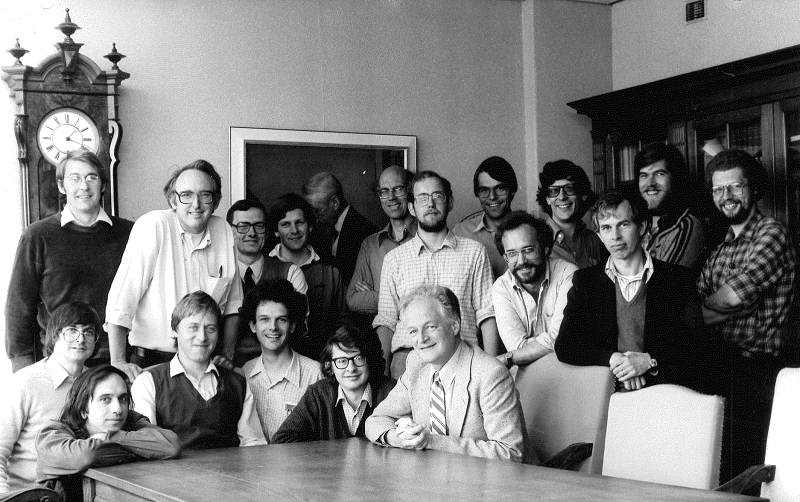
317,416
55,264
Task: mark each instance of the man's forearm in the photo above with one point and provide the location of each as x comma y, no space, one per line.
230,336
491,337
385,336
117,335
529,352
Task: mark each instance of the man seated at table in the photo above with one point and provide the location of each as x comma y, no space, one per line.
279,376
453,396
208,406
338,406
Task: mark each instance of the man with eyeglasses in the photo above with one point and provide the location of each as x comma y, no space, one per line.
494,184
635,314
529,299
248,218
172,253
392,190
565,195
71,255
435,256
748,288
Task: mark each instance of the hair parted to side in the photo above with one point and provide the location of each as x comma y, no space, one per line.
446,299
424,175
752,169
71,313
499,169
80,394
244,205
611,200
565,170
83,155
516,219
349,337
195,303
202,166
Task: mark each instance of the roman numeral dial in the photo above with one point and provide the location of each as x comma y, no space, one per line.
66,129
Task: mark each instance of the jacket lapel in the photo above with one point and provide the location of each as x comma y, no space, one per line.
460,400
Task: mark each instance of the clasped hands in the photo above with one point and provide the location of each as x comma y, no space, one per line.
629,368
407,434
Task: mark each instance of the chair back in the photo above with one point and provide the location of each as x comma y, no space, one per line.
783,441
565,404
665,434
30,494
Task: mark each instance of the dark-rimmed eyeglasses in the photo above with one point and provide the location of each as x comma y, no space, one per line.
343,362
530,253
244,227
70,334
736,189
388,193
555,191
423,198
499,191
188,197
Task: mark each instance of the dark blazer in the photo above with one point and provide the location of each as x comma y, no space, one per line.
355,229
588,334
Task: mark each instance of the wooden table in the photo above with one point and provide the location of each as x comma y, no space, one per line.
354,470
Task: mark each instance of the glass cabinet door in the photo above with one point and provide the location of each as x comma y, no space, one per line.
787,162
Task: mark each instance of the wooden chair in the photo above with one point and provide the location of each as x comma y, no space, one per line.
665,434
779,475
564,405
32,494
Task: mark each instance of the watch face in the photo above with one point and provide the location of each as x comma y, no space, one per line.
66,129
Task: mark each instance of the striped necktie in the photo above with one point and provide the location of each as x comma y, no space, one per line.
438,420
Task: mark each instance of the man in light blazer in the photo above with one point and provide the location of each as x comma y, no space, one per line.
453,396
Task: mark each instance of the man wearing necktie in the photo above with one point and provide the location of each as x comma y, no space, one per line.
453,396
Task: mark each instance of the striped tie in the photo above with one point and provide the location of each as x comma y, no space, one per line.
438,420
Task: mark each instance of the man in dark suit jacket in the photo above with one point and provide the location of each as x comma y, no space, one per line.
340,228
637,315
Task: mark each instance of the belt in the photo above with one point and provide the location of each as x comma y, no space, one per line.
143,352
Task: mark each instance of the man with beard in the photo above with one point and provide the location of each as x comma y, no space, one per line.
529,299
675,236
495,185
748,286
635,314
434,256
564,195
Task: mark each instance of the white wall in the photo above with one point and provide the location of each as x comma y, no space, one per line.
652,42
567,51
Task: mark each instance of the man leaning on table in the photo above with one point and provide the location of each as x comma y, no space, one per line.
453,396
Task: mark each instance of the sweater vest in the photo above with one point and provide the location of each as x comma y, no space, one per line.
199,424
631,319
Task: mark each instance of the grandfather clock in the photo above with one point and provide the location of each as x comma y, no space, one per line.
63,104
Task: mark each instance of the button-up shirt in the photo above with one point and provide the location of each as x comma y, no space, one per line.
277,252
68,217
459,264
160,266
276,399
352,415
520,317
629,284
369,265
759,265
295,275
474,227
587,249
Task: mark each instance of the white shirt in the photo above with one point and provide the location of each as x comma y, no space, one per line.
277,253
143,394
352,415
629,284
68,217
295,275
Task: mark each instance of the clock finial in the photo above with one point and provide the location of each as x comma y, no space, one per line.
17,52
68,28
114,56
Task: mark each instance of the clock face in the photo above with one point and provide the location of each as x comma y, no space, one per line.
66,129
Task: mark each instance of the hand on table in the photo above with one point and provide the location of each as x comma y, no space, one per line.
408,435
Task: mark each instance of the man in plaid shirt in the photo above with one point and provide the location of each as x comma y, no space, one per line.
748,286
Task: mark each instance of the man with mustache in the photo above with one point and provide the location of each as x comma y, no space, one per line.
635,314
434,256
748,287
529,299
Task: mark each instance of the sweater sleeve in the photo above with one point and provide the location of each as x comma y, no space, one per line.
23,299
302,424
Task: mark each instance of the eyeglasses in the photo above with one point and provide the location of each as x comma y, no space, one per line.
388,193
423,198
244,227
736,189
90,179
188,197
530,252
71,334
499,191
555,191
343,362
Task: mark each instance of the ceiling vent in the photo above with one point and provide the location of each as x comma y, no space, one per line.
695,10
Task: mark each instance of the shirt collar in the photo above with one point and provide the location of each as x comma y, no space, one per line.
518,285
57,372
449,241
340,220
276,252
409,230
292,372
450,368
176,368
481,224
612,273
256,267
366,396
748,228
68,217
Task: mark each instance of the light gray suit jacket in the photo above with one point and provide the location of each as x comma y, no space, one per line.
486,416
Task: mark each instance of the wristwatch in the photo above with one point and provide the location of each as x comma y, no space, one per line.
653,367
509,360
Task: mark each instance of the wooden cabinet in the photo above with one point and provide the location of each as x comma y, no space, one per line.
752,104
